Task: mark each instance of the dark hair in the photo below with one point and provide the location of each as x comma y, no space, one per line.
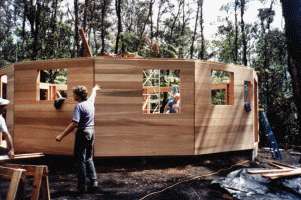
81,91
1,106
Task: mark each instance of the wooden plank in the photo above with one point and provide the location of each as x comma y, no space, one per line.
30,169
55,64
120,77
37,183
268,171
223,148
206,122
32,138
84,40
295,172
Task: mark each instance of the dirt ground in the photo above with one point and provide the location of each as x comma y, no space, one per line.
179,178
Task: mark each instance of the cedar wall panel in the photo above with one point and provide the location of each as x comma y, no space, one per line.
121,127
221,128
9,72
37,123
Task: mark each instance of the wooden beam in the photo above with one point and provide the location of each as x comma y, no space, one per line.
85,43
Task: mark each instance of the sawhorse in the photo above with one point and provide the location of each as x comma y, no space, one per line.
40,183
16,188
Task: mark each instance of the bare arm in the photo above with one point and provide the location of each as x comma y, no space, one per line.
68,130
9,141
93,94
165,108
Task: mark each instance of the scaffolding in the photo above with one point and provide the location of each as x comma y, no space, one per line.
151,91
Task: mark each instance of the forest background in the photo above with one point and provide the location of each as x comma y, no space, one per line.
48,29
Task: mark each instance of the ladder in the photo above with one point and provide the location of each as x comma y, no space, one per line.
269,134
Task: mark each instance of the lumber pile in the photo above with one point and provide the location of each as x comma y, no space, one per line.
282,171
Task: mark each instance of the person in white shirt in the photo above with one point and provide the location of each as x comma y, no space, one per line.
4,130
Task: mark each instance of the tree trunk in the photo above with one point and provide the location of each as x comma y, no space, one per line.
103,14
195,29
244,41
76,37
291,12
151,19
53,29
23,30
82,49
202,32
119,28
236,34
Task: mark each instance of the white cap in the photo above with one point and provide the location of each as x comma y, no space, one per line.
3,101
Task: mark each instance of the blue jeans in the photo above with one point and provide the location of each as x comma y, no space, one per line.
83,153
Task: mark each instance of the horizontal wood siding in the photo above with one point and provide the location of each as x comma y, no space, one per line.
121,127
221,128
37,123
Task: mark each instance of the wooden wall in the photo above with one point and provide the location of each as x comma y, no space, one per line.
37,123
221,128
122,129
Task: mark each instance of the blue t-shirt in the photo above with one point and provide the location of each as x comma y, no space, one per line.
170,104
84,113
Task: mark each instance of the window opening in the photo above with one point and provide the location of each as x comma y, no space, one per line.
222,88
52,84
160,87
4,86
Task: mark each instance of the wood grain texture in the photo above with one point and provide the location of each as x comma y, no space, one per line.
37,123
122,129
221,128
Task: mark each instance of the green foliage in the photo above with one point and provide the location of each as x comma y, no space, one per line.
54,76
131,42
218,97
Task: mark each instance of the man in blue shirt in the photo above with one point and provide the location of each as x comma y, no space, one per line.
83,120
173,105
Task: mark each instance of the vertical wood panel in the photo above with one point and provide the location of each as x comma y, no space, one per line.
37,123
121,127
221,128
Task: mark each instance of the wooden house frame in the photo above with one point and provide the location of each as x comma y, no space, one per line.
122,127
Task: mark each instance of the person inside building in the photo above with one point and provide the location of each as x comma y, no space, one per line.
174,105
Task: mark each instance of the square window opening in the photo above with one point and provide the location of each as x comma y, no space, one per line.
161,91
222,88
52,84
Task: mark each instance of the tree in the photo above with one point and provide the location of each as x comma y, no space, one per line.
119,25
292,12
242,11
200,6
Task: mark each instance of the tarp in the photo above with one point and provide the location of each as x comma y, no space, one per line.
242,185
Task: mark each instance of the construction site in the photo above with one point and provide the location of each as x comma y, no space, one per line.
142,148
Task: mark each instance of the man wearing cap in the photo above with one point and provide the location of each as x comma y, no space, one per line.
3,128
